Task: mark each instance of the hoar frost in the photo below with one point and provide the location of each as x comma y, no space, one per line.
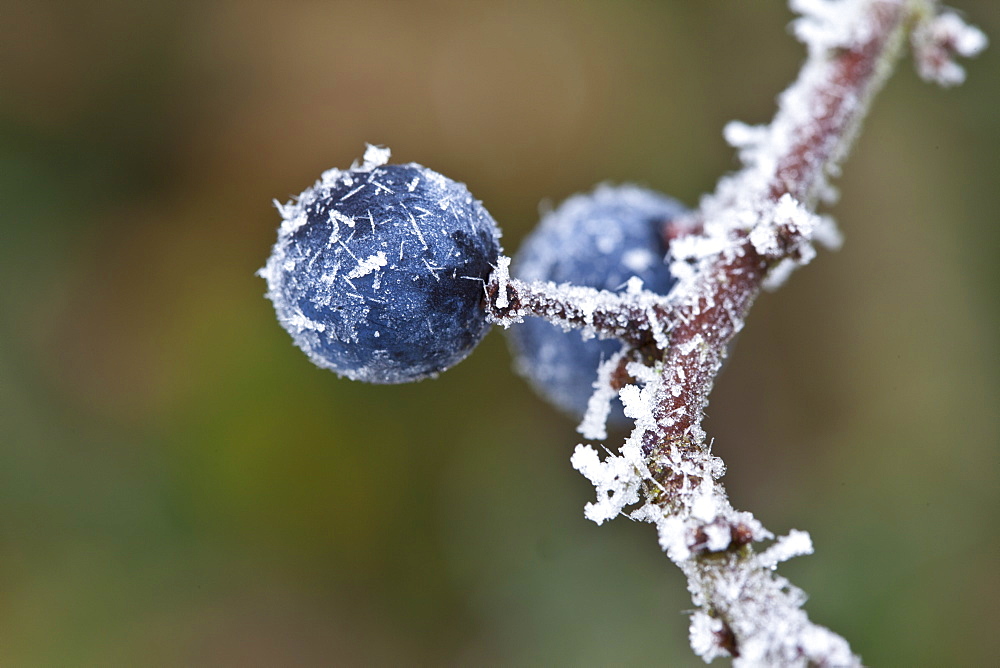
378,271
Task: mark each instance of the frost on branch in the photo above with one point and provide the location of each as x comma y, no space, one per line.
635,316
825,25
758,225
618,479
744,607
937,40
595,420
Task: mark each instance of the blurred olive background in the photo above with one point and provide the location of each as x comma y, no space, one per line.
179,486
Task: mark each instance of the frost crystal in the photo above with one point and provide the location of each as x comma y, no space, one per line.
368,265
795,544
829,24
503,279
937,40
704,636
594,424
376,156
717,535
617,480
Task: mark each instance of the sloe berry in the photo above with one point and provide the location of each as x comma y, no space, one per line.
600,240
378,272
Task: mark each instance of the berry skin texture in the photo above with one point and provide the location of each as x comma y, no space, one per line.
600,240
378,272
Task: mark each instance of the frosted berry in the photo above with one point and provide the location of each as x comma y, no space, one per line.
378,272
600,240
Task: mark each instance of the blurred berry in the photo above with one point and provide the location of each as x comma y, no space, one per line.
600,240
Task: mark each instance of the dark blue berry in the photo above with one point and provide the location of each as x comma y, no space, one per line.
379,271
599,240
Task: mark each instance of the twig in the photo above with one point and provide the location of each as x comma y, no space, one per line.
757,225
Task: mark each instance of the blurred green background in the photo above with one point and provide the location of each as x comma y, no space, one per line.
179,486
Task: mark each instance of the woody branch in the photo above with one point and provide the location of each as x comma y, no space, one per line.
758,224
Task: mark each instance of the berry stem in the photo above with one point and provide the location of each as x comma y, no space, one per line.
634,317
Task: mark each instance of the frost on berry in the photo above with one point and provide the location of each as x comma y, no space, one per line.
378,272
603,239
